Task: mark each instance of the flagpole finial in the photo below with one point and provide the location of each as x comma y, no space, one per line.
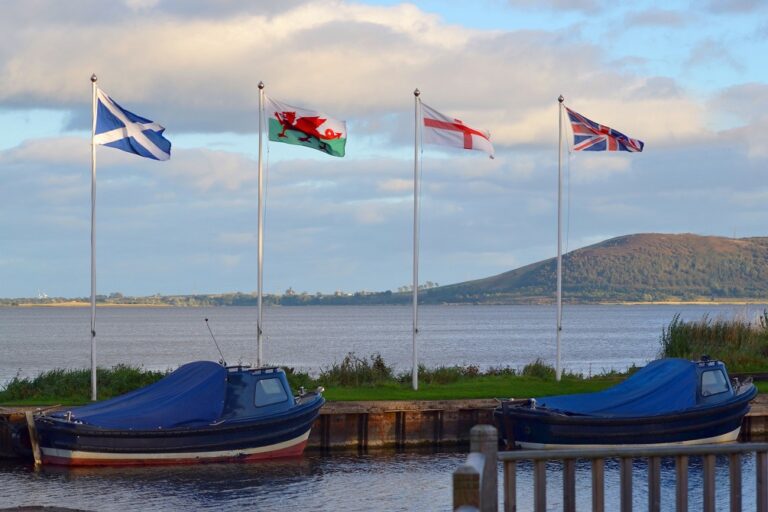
416,92
261,84
561,99
94,78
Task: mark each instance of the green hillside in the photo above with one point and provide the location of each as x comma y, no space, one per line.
643,267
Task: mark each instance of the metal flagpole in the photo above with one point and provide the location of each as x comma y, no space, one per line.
558,369
260,272
415,371
93,238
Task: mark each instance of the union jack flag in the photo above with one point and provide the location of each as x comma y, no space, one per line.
591,136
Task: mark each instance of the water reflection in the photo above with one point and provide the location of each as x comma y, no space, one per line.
376,481
351,481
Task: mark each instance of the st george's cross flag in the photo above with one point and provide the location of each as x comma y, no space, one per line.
121,129
447,131
591,136
295,125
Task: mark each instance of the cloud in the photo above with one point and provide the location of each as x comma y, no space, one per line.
656,18
395,185
708,53
746,101
733,6
586,168
189,73
584,6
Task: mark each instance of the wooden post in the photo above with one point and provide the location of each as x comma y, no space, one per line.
626,484
33,439
485,439
681,483
598,485
761,468
510,486
569,485
654,484
734,475
540,485
709,483
466,482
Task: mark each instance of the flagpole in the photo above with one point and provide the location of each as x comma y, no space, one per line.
558,369
260,272
415,370
94,79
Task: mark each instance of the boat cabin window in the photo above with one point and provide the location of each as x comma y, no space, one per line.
268,392
713,382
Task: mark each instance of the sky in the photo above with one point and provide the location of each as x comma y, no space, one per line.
689,78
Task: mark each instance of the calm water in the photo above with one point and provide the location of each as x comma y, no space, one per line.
595,339
386,481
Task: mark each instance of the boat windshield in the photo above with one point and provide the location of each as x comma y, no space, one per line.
713,382
269,391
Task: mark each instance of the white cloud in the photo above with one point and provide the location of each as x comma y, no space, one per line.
201,74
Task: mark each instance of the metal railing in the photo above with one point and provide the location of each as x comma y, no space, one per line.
475,481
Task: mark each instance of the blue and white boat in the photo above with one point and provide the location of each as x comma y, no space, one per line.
669,401
202,412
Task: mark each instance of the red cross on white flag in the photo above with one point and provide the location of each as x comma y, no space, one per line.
446,131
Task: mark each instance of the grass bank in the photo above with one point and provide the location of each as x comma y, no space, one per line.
354,378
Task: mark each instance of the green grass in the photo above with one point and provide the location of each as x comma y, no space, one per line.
352,379
486,386
71,387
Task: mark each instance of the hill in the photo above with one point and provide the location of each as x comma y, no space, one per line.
642,267
632,268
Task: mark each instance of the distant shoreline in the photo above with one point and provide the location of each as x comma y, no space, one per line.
79,304
82,304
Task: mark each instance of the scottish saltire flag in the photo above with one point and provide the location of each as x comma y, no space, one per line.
296,125
121,129
447,131
591,136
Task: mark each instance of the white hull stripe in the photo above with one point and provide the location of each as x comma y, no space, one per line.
77,454
722,438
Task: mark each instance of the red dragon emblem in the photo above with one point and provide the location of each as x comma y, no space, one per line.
306,125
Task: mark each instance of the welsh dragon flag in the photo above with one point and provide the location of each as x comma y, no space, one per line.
294,125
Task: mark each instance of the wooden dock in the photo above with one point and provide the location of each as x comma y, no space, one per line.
402,424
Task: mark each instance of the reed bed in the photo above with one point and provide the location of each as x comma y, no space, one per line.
742,344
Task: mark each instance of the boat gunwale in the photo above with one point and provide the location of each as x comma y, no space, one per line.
555,416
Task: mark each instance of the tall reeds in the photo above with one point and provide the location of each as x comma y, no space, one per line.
740,343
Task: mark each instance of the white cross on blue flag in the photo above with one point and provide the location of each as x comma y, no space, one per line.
118,128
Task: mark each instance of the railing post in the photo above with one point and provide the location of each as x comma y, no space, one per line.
681,483
540,486
485,439
569,485
466,487
598,485
626,484
510,486
709,483
761,469
654,484
734,476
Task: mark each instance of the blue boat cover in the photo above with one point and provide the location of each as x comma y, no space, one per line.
192,395
663,386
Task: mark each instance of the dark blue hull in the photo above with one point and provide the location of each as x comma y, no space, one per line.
284,434
533,427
